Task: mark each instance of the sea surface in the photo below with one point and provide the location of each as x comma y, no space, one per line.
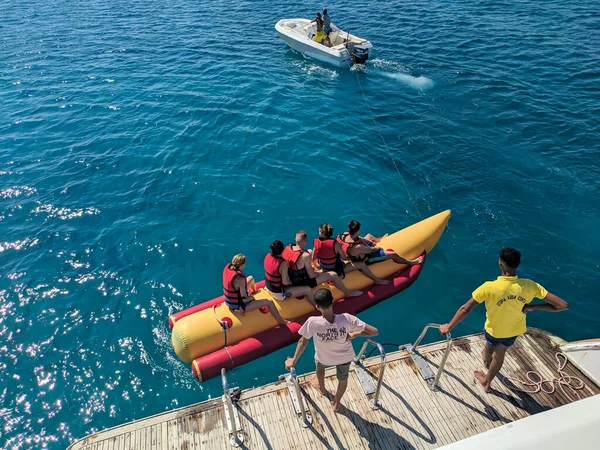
143,143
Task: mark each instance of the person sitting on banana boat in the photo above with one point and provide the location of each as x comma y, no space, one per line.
365,249
328,255
238,290
277,280
301,271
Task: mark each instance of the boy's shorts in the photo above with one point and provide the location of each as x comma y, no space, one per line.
507,342
341,370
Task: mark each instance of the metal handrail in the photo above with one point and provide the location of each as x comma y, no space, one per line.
234,440
224,381
305,422
374,402
448,348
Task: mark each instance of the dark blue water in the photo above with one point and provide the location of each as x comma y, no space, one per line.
142,143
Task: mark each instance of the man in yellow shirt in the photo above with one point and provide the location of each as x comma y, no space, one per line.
507,300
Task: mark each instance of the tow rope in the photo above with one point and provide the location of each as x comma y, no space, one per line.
224,326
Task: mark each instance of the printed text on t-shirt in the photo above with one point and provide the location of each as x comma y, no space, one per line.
332,334
510,297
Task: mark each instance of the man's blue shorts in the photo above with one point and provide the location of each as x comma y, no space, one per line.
507,342
376,256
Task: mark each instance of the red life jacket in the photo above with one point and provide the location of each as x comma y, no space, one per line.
272,274
346,246
297,276
292,256
325,251
231,293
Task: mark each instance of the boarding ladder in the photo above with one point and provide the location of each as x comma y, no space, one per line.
365,377
430,378
298,401
234,425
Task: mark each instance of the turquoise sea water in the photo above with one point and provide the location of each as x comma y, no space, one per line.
143,143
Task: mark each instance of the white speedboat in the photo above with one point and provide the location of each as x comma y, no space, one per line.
346,49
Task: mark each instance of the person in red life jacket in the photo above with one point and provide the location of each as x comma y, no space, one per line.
237,293
277,280
301,271
328,254
366,249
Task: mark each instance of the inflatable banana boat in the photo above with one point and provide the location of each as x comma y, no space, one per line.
210,336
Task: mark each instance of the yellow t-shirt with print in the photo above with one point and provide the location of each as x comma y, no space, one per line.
504,300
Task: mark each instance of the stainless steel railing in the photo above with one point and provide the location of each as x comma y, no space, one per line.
432,380
236,436
298,400
374,402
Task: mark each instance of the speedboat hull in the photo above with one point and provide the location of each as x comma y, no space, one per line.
346,49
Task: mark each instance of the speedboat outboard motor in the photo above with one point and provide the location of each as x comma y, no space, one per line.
358,52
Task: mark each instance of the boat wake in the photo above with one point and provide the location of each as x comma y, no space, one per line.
396,71
420,83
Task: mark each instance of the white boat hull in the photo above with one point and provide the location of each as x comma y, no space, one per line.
573,426
586,356
297,33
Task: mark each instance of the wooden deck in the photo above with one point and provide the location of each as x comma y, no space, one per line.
412,416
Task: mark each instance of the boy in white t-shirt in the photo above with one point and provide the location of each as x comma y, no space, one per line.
332,334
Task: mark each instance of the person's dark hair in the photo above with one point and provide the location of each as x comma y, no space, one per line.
510,257
326,230
323,298
277,248
325,11
318,14
353,226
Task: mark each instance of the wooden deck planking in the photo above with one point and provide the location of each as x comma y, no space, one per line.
248,416
412,416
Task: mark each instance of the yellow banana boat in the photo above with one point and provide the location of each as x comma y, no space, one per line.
211,336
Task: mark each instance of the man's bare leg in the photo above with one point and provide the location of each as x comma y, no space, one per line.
256,304
336,280
318,381
486,354
339,393
495,366
362,266
299,291
400,260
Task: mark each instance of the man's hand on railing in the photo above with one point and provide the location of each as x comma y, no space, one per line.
444,329
289,363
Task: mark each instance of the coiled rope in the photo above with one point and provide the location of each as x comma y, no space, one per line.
536,383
